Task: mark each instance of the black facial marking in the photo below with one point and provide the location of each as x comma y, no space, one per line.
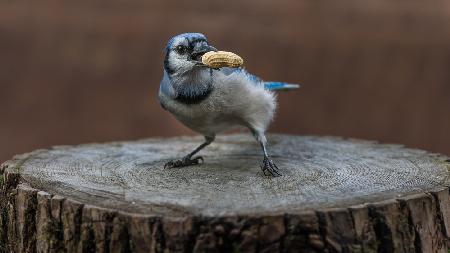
181,49
167,67
193,41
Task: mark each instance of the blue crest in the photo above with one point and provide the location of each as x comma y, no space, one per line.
188,36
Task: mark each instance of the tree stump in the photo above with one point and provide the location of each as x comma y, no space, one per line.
335,195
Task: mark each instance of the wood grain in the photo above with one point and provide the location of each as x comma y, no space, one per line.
335,195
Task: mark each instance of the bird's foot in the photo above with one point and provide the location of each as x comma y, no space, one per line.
185,161
270,167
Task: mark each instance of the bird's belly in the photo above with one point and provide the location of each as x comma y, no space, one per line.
204,119
230,104
208,123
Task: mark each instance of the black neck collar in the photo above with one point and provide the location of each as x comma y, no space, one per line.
193,99
194,93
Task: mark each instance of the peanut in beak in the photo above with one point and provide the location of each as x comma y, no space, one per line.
222,59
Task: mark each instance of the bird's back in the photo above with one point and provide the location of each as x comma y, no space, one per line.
268,85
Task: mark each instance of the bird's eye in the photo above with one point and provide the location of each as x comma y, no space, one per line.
180,49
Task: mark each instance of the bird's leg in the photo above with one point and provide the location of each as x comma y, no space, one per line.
188,160
268,167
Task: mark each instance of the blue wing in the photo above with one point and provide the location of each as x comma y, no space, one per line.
257,80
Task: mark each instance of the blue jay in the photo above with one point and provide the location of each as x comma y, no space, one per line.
210,101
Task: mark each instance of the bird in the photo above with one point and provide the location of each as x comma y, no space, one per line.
210,101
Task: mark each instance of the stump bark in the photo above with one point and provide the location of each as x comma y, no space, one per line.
335,195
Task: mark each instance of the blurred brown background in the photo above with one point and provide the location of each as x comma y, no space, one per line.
88,71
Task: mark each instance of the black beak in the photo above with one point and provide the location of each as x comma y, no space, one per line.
197,53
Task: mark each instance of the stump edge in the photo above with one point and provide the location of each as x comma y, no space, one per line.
34,220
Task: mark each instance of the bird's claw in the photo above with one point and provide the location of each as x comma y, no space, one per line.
270,167
186,161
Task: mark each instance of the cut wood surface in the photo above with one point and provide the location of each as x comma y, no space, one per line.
335,195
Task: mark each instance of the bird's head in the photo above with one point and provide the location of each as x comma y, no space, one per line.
184,52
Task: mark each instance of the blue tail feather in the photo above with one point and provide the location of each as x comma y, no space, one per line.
280,86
